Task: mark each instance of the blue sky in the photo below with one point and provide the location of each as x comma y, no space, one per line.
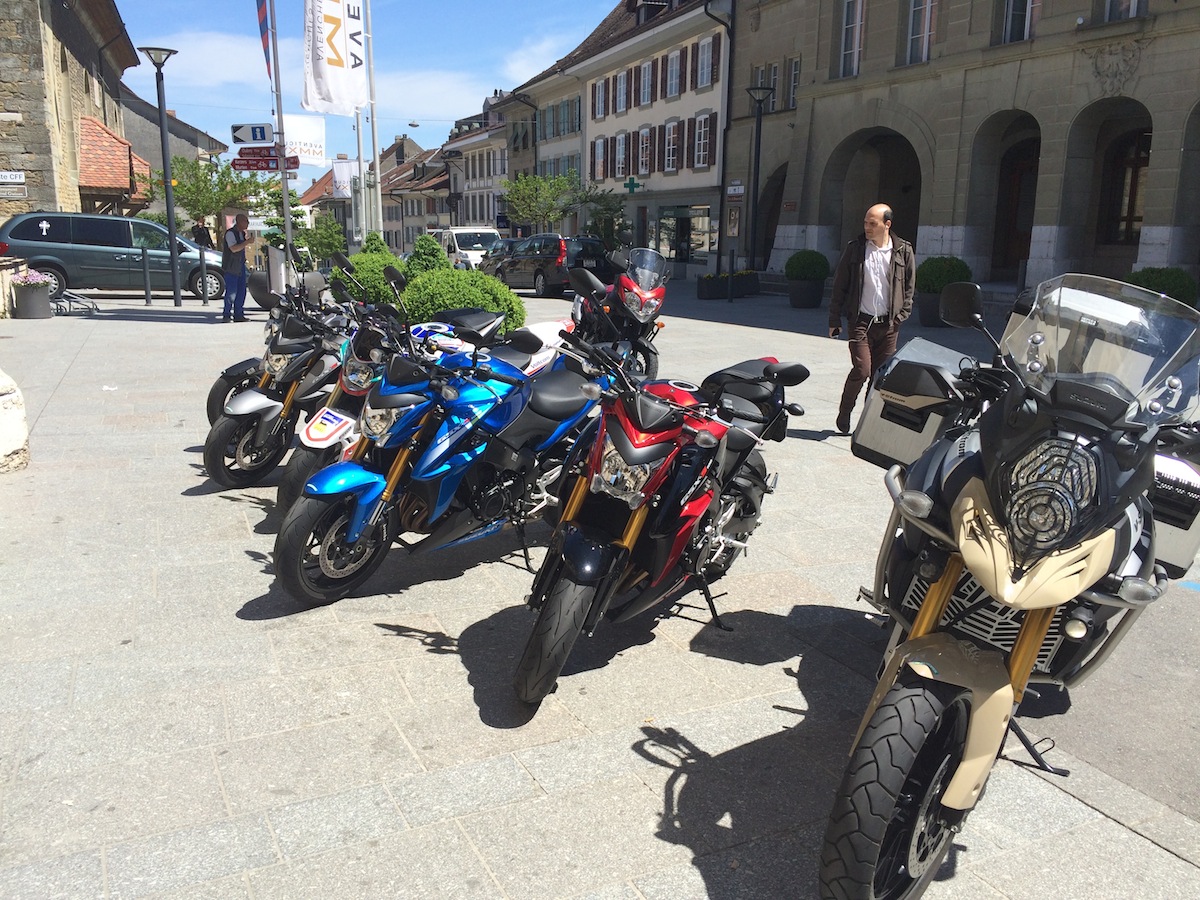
434,62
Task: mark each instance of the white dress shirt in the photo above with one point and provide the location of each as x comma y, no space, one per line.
877,268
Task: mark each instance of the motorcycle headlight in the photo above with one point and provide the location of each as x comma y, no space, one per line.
270,329
1051,496
377,422
277,362
621,479
358,374
643,311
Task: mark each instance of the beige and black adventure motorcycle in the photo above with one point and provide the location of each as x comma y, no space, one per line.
1021,548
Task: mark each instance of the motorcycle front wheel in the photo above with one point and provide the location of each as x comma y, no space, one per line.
233,459
558,626
302,465
887,833
642,362
226,387
312,558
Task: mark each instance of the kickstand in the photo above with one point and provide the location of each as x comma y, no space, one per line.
1039,761
712,607
524,546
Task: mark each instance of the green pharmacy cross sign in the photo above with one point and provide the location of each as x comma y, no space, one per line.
632,185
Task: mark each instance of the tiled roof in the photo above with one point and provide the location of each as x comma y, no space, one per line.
105,158
321,189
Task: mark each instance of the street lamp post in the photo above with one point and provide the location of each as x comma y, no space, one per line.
759,93
158,57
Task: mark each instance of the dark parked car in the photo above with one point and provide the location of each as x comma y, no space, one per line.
498,252
541,262
83,250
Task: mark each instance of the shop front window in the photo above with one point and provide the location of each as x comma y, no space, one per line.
684,234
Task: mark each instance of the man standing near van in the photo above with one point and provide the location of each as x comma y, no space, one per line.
873,290
233,265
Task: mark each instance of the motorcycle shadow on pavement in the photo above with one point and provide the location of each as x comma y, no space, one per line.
754,815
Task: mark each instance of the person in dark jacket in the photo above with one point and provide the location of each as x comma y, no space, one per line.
873,291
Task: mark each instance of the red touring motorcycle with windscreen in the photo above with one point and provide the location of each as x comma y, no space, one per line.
624,316
667,488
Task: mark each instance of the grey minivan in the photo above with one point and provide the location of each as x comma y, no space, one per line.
83,250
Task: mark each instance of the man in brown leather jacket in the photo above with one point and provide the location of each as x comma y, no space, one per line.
873,290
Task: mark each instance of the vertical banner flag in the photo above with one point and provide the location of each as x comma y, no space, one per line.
335,75
343,173
262,30
305,138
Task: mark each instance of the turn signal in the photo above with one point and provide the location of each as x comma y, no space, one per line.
660,324
916,504
1138,590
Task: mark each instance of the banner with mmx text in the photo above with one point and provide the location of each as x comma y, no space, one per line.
335,70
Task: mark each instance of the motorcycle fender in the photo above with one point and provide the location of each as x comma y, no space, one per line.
586,560
245,367
940,657
349,478
255,403
326,428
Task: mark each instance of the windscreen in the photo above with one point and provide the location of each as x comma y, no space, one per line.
647,268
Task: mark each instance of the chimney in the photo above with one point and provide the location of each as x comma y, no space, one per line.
342,156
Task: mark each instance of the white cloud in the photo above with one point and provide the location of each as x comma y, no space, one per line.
533,57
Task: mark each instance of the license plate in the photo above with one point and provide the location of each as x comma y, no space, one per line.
589,264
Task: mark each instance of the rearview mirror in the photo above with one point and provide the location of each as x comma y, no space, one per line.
344,264
961,305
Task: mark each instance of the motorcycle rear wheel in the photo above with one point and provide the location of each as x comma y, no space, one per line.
231,456
302,465
559,624
312,559
225,388
887,834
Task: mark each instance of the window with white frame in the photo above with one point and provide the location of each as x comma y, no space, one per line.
600,173
599,111
673,74
671,151
853,20
702,142
619,161
921,17
793,82
644,151
704,71
773,81
647,96
620,92
1123,9
1020,19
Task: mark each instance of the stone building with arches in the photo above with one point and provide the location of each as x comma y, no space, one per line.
1028,137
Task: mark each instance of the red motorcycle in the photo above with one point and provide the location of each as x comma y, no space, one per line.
663,491
624,316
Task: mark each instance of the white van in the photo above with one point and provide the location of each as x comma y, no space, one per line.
465,245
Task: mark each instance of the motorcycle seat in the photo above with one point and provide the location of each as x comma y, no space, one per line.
470,317
742,413
555,394
741,380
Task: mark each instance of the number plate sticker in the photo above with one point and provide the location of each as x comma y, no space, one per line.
326,427
589,264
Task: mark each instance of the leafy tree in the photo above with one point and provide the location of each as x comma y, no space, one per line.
269,204
542,199
324,238
426,256
201,190
448,288
607,213
159,217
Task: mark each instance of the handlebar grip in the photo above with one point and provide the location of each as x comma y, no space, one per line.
488,374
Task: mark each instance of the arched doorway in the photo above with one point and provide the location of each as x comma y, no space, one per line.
770,202
1016,198
874,165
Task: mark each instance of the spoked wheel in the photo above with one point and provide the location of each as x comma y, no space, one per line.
232,457
888,833
559,624
312,558
226,387
302,465
642,362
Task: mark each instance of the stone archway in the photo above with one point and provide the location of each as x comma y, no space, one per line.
1108,153
1001,195
770,203
873,165
1184,245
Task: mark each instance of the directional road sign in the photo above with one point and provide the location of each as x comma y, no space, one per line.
256,152
265,164
253,134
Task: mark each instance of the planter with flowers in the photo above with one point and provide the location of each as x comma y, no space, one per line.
31,295
712,287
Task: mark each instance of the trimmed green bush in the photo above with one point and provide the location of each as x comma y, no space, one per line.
448,288
368,269
427,255
1170,280
374,244
806,265
938,271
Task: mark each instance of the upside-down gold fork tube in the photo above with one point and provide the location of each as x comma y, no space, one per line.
287,401
571,508
396,472
335,394
360,449
936,598
1025,648
265,380
634,527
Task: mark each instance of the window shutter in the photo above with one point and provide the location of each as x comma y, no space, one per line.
683,70
593,102
611,157
630,158
713,144
662,147
654,81
691,144
611,94
695,76
591,160
630,103
662,81
637,85
716,57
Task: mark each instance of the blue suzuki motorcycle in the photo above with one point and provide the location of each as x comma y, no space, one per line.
453,451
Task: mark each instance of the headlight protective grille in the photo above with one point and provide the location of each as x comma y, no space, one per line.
1052,497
